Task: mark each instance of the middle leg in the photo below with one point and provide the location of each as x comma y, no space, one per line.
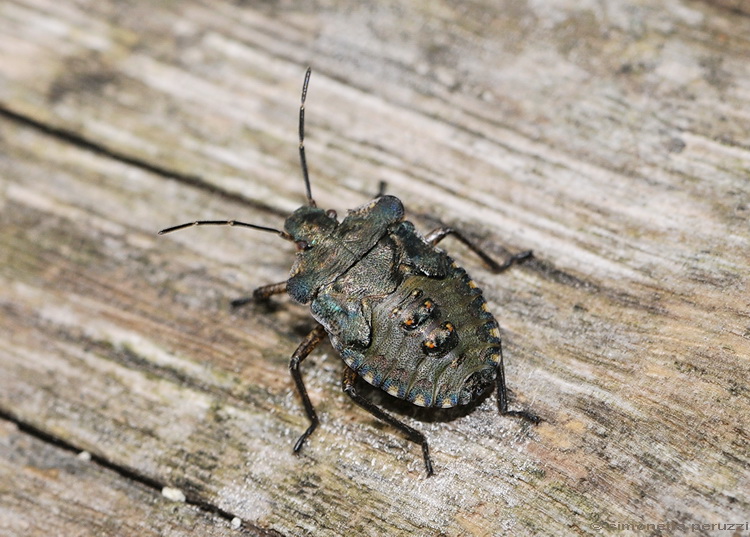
303,351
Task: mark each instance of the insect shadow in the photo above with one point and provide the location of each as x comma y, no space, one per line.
405,318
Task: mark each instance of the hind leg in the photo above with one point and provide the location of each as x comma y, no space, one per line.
347,383
502,397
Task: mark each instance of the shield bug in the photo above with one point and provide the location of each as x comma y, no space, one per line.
401,313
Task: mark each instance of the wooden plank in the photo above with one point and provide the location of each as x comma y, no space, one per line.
612,141
39,478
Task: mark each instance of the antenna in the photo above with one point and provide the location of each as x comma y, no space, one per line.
302,159
282,234
305,175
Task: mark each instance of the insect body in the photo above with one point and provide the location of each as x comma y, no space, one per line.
401,313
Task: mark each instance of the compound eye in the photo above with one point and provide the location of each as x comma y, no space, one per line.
330,213
302,245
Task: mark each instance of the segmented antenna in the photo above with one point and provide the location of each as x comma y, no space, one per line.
305,175
282,234
302,159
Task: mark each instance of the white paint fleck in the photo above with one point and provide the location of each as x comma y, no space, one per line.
174,494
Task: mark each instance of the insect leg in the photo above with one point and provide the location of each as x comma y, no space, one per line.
305,348
440,233
261,293
502,396
347,383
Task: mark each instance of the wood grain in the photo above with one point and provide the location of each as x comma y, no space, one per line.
610,138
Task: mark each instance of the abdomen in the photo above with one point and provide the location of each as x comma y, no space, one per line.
433,342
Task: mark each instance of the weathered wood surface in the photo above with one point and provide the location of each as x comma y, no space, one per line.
612,138
48,491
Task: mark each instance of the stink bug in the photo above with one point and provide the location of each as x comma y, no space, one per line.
401,313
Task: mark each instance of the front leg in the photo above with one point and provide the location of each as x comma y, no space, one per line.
260,294
436,235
